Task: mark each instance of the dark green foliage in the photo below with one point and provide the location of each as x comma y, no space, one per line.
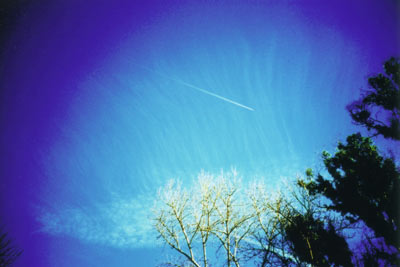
379,109
8,253
315,244
364,185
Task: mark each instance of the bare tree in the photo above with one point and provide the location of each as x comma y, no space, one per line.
273,211
213,212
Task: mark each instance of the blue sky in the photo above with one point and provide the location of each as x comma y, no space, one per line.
97,112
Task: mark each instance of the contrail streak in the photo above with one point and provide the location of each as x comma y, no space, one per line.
197,88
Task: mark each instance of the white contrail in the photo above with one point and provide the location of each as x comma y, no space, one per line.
197,88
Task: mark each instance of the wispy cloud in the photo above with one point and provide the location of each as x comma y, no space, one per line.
123,223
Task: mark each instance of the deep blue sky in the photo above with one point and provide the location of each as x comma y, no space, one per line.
96,111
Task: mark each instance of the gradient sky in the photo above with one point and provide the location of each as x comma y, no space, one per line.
99,108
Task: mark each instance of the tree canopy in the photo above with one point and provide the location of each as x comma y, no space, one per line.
363,185
379,109
317,244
